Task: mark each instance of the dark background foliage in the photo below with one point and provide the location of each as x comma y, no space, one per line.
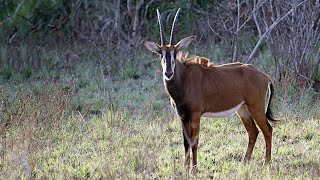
115,30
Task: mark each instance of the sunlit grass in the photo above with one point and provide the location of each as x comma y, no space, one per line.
147,143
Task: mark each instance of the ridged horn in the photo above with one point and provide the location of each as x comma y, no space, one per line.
174,27
161,28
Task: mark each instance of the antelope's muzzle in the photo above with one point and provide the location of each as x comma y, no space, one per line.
168,74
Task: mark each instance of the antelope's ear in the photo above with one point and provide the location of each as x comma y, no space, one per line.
152,46
184,43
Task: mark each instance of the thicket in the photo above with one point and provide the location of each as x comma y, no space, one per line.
113,32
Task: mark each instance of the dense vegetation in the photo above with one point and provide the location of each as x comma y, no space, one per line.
80,97
289,29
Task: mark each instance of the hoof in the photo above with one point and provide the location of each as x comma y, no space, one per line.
194,170
267,163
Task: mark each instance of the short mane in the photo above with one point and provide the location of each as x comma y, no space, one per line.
186,59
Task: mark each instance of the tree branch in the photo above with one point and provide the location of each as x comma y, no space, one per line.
269,29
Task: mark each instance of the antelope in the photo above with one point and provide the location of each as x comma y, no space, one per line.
215,91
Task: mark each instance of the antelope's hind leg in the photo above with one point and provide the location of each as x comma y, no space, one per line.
258,114
251,128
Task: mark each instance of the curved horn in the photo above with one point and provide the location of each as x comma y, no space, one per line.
174,27
161,28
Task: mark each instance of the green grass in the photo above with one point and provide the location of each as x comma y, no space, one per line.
84,125
116,145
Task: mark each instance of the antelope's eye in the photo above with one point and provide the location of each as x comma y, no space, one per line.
174,54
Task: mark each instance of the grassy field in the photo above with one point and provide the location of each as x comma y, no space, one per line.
85,125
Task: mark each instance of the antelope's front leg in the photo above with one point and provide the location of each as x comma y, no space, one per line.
195,125
186,130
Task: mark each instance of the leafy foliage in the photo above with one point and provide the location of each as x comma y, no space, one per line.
30,17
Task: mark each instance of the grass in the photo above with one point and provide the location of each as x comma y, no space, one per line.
116,145
84,125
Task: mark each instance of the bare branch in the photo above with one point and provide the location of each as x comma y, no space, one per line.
269,29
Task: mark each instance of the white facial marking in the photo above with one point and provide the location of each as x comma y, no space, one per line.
173,64
222,114
163,62
163,58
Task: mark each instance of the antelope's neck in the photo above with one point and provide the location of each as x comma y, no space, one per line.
176,90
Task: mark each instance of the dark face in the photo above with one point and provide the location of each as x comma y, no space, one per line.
168,58
167,54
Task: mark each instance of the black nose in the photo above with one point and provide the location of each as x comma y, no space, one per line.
168,74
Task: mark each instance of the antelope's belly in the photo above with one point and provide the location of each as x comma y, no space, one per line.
222,114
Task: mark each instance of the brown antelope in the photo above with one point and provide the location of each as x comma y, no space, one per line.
215,91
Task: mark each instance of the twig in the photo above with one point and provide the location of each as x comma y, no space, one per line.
269,29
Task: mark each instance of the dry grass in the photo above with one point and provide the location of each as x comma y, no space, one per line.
139,137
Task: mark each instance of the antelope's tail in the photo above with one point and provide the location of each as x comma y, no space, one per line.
269,114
